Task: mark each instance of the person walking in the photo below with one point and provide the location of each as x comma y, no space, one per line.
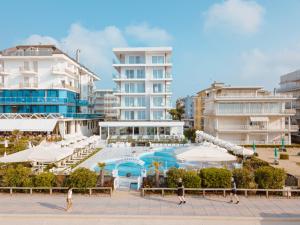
69,199
233,192
180,192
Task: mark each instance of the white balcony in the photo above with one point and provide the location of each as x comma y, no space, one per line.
28,85
64,86
27,71
258,128
4,72
251,97
64,71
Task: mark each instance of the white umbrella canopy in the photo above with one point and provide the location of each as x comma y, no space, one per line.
205,153
50,154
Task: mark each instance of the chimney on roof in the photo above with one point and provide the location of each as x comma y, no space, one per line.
77,54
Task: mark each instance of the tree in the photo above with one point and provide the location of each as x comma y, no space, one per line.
190,134
156,166
101,166
177,113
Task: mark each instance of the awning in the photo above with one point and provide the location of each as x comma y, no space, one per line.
31,125
259,119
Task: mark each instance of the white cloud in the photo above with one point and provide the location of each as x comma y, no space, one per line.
95,45
149,35
239,16
265,68
38,39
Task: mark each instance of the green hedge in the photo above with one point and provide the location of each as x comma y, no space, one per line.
190,179
215,178
45,179
268,177
254,163
17,177
244,178
284,156
82,178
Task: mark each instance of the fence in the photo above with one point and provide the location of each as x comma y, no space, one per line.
51,189
287,192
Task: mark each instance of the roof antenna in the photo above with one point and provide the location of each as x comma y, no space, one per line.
77,54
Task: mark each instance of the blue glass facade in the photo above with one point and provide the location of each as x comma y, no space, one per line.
63,102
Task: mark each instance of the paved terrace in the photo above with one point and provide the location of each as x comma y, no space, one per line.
290,166
130,208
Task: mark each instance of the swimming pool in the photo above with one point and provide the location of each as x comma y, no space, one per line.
165,156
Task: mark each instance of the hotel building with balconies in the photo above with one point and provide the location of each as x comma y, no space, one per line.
247,115
105,103
42,89
143,88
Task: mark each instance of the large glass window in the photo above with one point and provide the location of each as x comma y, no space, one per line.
141,115
158,59
158,73
129,101
140,73
158,115
158,101
129,74
135,59
129,87
141,101
129,115
140,87
157,88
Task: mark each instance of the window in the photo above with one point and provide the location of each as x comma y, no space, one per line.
141,101
158,73
158,101
135,59
129,74
129,115
141,115
158,115
140,87
140,73
157,59
129,87
129,101
157,88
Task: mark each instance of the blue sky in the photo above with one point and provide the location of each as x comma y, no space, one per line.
236,42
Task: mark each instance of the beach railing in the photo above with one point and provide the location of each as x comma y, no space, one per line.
50,190
203,191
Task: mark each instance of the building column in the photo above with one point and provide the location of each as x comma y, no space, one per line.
100,132
290,141
132,132
157,132
108,132
267,138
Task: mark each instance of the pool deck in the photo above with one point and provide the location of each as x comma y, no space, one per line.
130,208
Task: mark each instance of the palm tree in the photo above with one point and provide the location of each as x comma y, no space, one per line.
101,166
177,113
156,166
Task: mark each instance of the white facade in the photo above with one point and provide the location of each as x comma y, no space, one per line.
105,103
244,115
40,69
143,88
290,84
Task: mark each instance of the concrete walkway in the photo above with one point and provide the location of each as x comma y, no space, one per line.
126,207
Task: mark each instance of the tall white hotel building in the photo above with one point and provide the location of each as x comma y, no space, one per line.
143,87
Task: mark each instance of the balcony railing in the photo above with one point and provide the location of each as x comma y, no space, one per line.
241,96
28,85
35,100
4,71
25,70
257,127
55,86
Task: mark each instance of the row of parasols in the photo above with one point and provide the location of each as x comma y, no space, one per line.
235,149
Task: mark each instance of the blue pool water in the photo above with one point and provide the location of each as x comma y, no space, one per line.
165,157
